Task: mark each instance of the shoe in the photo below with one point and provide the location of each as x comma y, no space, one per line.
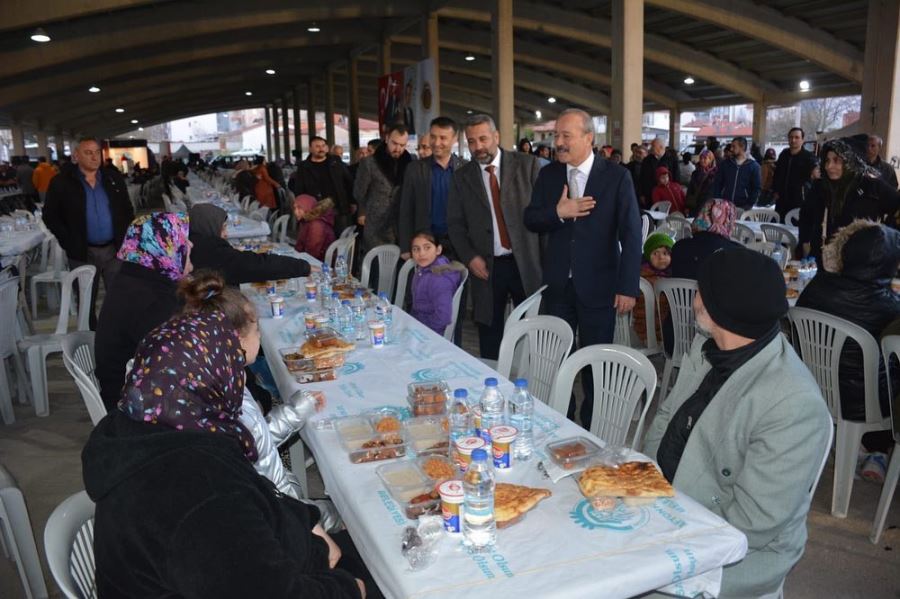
874,468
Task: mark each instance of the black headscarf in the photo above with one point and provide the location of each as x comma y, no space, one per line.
207,220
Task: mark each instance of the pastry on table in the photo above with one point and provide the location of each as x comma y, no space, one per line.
640,481
511,502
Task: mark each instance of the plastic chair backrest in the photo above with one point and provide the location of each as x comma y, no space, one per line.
348,231
821,337
69,545
9,303
279,228
78,358
457,300
621,377
680,295
17,538
259,214
792,217
779,234
661,207
742,234
84,276
890,346
761,215
167,203
57,257
528,308
387,255
645,228
403,281
825,454
549,341
338,247
252,206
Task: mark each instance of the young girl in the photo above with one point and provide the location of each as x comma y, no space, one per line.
656,263
434,283
668,191
315,224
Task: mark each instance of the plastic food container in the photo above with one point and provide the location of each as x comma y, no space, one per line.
428,435
452,497
574,452
297,362
464,449
436,468
316,376
428,399
502,437
404,480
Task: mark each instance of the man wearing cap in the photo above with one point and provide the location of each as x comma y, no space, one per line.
744,430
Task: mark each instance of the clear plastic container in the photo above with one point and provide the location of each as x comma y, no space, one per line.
428,434
436,468
574,452
381,446
316,376
410,487
428,399
297,362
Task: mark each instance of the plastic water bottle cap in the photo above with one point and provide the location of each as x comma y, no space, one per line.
479,455
335,295
460,393
382,294
345,302
521,383
490,382
359,293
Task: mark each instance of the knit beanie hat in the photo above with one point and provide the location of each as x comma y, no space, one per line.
656,241
743,291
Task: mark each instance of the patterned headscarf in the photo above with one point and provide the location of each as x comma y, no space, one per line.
853,159
188,374
716,216
158,241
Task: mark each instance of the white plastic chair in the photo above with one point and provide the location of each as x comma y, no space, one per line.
760,215
348,232
50,277
9,292
457,300
527,308
792,217
69,545
549,341
890,346
767,248
279,228
680,296
245,203
625,333
78,357
779,234
253,205
742,234
622,376
387,255
661,207
821,337
402,282
38,347
645,228
341,247
259,214
17,537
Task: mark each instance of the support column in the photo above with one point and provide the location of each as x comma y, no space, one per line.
353,103
759,125
674,129
880,111
276,136
18,139
285,115
311,110
268,134
627,96
502,69
431,49
384,57
60,143
298,138
43,144
329,106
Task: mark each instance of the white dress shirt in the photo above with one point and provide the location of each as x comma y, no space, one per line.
499,250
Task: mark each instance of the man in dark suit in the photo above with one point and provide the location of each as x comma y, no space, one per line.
484,212
426,188
585,206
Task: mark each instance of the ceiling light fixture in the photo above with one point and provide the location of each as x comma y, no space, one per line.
248,93
93,89
313,28
270,71
468,112
40,36
804,86
469,58
537,114
140,128
552,100
134,121
120,110
689,80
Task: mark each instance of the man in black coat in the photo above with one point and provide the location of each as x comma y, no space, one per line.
322,176
792,172
873,158
88,211
656,158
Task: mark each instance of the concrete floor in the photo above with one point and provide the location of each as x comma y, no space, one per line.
44,456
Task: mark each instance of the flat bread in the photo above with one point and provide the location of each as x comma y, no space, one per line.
631,479
512,501
325,347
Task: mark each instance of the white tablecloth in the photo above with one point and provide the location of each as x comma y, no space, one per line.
247,228
19,242
563,548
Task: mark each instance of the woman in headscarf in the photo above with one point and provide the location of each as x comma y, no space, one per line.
212,251
180,509
315,225
849,190
767,173
156,254
700,187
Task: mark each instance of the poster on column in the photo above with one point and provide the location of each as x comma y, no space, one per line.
407,96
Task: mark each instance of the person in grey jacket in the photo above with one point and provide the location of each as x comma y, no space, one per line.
745,429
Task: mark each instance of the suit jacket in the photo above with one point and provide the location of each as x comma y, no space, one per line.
415,199
472,230
752,457
589,246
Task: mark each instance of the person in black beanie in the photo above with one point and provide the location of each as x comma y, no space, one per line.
744,430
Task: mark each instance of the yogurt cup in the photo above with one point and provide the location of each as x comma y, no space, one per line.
376,334
464,449
452,496
502,438
310,321
276,302
311,290
322,321
272,287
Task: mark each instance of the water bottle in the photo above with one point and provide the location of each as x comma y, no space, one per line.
359,315
334,310
340,268
492,407
384,312
325,289
460,420
345,320
521,414
326,273
778,255
479,526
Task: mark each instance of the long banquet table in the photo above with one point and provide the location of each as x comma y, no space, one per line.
563,548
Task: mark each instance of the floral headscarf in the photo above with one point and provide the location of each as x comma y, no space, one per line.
188,374
158,241
716,216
